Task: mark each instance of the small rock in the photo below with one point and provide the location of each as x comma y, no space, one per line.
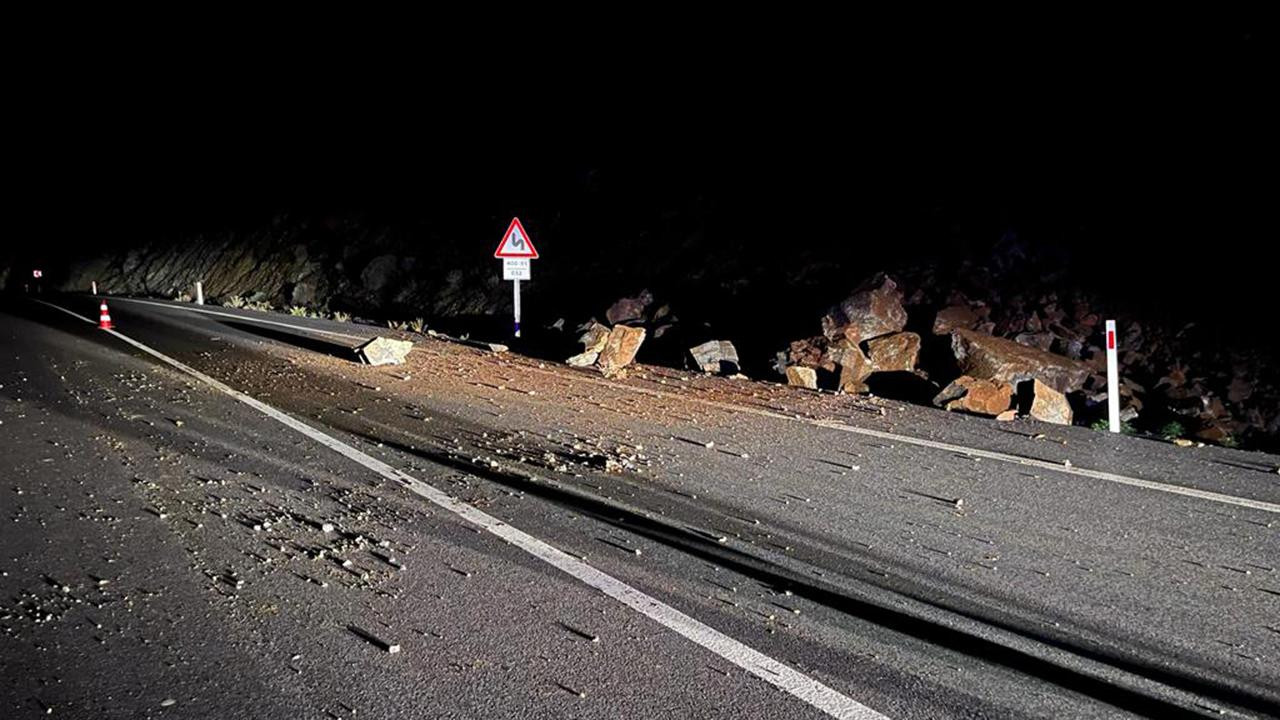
981,397
956,316
1044,403
805,377
894,353
586,359
384,351
716,356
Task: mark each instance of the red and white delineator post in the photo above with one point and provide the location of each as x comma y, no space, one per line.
1113,379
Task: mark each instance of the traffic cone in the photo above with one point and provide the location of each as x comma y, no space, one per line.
104,317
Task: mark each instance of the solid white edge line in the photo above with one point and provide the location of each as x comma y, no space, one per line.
842,427
205,311
753,661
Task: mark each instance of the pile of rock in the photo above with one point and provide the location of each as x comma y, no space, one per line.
861,336
1176,376
610,349
866,334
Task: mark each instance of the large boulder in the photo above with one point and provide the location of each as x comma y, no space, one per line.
992,358
629,309
974,395
874,309
620,348
894,353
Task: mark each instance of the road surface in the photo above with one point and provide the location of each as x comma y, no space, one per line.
216,513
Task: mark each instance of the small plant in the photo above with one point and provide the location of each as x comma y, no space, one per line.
1172,430
418,325
341,316
299,311
1230,441
397,325
235,301
1104,425
258,305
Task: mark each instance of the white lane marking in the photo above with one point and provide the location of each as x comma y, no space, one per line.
233,316
757,663
842,427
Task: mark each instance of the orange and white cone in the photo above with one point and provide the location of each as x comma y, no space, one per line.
104,317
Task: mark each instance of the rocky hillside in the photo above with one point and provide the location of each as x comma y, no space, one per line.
330,264
912,333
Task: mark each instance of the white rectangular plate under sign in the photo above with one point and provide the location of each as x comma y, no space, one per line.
516,269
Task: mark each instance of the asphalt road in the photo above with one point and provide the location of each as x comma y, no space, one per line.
170,551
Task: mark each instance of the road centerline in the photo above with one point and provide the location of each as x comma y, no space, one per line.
1103,475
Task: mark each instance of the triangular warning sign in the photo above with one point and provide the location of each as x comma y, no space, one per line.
515,243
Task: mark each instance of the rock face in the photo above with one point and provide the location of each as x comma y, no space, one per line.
874,309
620,348
992,358
1046,404
805,377
974,395
384,351
716,356
896,352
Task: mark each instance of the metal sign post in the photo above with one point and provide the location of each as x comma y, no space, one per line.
1113,379
515,251
515,305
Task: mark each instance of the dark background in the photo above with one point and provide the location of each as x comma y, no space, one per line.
1138,152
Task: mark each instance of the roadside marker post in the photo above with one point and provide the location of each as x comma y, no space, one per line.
199,293
516,251
1113,379
95,287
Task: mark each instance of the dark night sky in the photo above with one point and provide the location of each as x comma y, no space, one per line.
1151,144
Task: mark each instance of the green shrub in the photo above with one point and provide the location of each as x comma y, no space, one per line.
1172,430
1104,425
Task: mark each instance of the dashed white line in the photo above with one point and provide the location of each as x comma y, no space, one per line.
796,683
